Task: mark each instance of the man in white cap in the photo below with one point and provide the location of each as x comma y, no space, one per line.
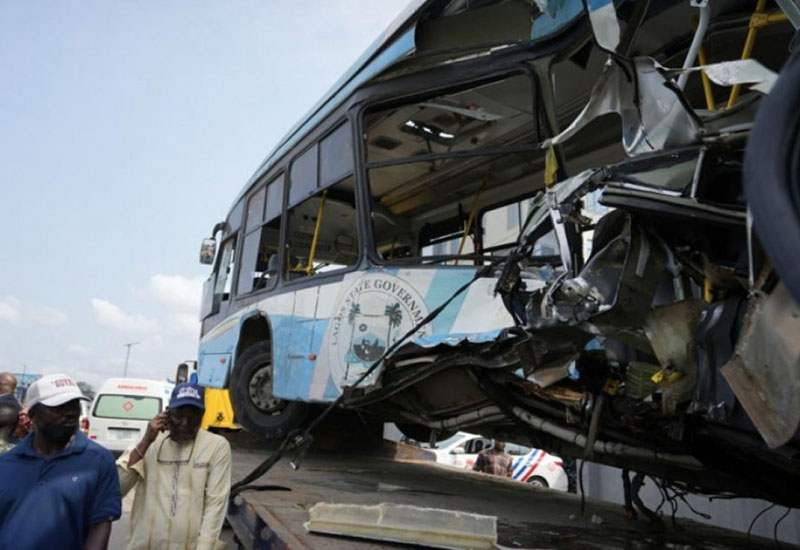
59,489
182,476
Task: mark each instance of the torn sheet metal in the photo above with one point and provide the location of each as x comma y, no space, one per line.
605,25
561,193
555,371
653,116
611,295
455,340
765,370
731,73
429,527
671,330
792,10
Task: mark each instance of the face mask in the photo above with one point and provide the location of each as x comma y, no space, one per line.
59,434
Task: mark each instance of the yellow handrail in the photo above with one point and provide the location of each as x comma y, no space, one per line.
472,211
701,58
310,267
550,167
749,42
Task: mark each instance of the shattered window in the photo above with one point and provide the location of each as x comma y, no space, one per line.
434,163
330,215
501,225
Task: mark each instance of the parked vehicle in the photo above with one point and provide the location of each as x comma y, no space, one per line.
219,411
84,418
528,220
123,407
533,466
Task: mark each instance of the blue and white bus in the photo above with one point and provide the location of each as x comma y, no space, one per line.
540,156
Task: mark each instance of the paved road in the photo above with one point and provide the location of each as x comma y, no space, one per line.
119,531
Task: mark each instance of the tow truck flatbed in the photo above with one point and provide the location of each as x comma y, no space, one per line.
527,517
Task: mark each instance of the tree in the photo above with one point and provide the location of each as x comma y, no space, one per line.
395,315
87,389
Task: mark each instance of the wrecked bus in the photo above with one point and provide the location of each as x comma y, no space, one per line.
527,220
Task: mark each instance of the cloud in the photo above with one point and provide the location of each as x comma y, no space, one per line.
14,310
45,315
9,310
110,315
176,291
183,324
77,349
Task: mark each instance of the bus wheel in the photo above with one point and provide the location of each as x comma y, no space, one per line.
254,405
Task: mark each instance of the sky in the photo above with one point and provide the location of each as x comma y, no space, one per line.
127,128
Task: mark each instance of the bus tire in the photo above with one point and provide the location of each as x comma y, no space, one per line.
772,174
254,406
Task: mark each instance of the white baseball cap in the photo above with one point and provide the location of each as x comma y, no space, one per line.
53,390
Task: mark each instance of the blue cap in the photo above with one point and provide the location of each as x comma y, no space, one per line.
187,393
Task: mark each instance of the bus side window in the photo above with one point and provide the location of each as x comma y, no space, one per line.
433,163
501,225
322,232
259,267
222,289
322,208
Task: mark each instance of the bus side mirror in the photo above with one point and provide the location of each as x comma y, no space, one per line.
182,374
207,251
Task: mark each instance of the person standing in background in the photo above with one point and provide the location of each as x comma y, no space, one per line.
8,421
182,476
8,386
494,461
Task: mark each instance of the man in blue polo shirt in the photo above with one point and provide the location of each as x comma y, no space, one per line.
58,489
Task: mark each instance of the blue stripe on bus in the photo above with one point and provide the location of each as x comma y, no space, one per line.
444,283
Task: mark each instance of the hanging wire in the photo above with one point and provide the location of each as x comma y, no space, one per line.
777,523
300,440
758,515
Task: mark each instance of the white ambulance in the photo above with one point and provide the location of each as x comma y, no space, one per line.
123,407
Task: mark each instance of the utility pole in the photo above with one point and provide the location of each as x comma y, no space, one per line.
129,345
22,382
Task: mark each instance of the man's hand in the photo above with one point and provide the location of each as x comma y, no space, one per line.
154,427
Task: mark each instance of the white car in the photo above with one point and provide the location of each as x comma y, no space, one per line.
533,466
